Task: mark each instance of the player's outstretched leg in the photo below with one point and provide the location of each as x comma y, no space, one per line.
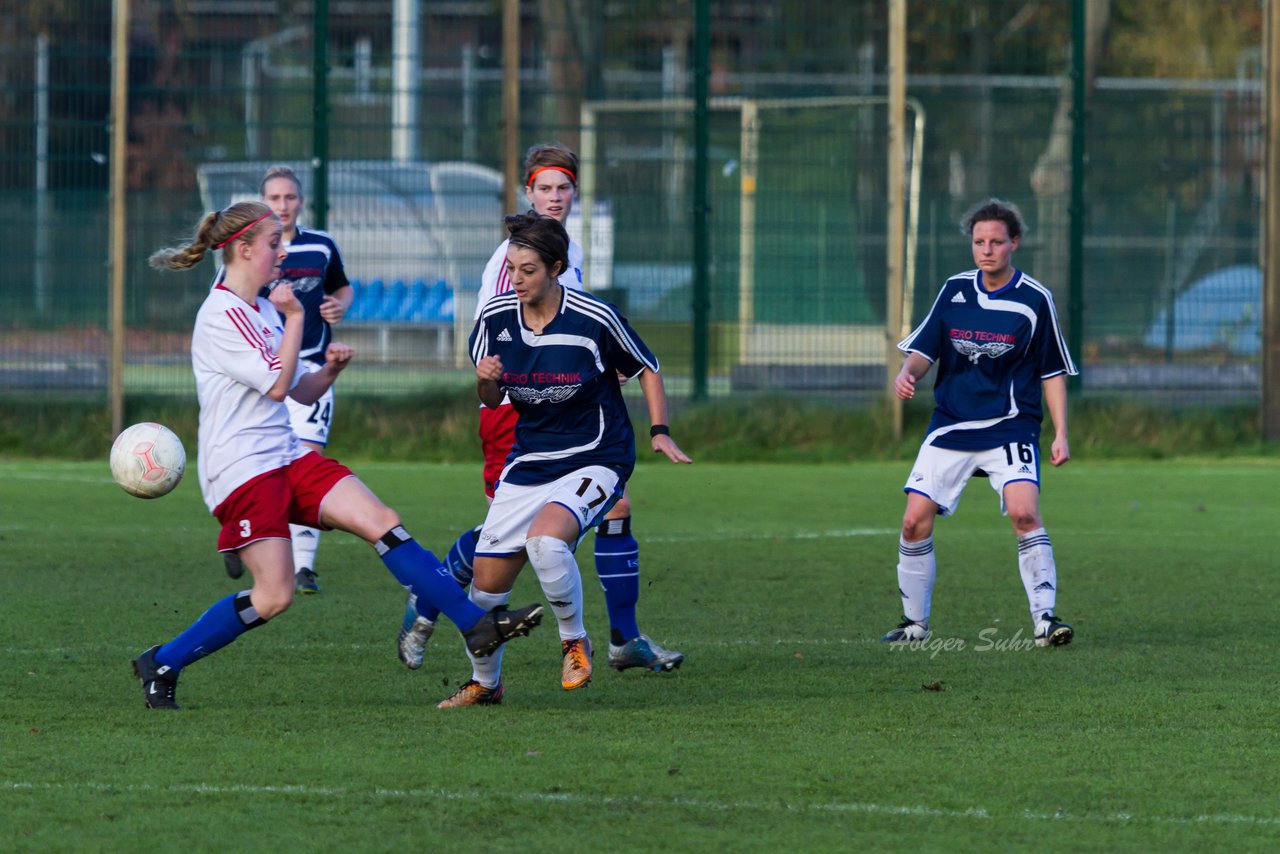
618,567
421,571
417,625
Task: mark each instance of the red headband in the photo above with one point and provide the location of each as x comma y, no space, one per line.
243,230
535,172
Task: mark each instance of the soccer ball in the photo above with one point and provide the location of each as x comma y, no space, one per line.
147,460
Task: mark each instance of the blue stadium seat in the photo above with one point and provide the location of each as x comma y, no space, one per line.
433,298
392,301
367,296
411,310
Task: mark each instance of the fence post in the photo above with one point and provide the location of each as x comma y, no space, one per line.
701,203
320,117
894,237
119,156
1271,230
510,101
1075,215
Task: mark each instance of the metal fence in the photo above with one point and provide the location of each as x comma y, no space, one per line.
411,132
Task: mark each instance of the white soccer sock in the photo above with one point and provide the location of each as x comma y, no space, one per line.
561,582
1039,572
487,670
305,542
917,570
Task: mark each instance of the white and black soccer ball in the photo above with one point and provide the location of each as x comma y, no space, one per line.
148,460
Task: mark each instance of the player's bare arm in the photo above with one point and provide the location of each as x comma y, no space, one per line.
1055,400
488,372
312,386
335,306
913,368
655,395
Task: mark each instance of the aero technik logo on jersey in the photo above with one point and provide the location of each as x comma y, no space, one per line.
974,344
517,390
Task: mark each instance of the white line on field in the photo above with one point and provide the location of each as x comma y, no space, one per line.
780,535
418,795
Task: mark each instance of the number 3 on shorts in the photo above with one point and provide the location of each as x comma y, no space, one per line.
1026,453
246,529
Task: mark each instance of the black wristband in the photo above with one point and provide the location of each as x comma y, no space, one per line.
659,430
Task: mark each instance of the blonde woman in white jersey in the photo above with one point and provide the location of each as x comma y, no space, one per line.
551,185
257,477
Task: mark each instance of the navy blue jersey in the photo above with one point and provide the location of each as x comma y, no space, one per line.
314,268
563,383
993,351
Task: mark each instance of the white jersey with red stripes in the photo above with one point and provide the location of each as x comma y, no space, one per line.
495,280
243,433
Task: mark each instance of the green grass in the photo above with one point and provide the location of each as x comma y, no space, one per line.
790,727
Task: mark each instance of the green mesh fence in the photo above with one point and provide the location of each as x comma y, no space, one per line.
1171,286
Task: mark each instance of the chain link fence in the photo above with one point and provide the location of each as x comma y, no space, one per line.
413,142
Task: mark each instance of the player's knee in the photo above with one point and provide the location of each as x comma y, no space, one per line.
546,551
621,510
272,603
915,529
1024,519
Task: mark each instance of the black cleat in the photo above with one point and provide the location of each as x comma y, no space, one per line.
498,626
159,681
231,563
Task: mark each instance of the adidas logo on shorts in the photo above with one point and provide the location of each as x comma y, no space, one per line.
504,335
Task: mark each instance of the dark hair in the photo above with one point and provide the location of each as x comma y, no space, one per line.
279,172
551,154
543,235
241,221
996,210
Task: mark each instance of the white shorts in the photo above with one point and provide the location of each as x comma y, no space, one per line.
311,420
940,474
587,493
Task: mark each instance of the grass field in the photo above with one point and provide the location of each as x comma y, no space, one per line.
790,726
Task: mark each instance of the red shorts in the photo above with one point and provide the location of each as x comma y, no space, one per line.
262,508
497,435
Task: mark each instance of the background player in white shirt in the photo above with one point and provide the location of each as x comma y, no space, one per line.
556,354
551,185
256,476
994,334
314,267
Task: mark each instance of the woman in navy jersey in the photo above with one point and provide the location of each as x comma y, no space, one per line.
551,185
557,354
256,477
994,334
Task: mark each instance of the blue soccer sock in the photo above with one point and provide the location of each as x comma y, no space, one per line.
618,566
226,620
460,561
426,577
